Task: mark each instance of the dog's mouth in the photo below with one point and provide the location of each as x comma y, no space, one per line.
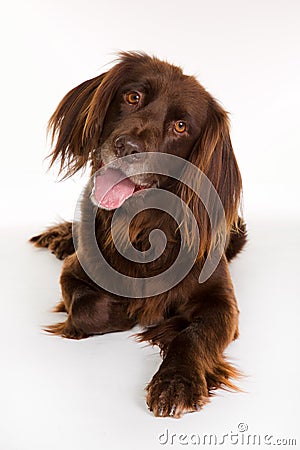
112,187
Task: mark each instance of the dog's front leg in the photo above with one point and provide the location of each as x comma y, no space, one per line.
194,363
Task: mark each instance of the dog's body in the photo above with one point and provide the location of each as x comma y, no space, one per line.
144,105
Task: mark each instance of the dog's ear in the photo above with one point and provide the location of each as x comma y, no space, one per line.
67,124
77,123
214,156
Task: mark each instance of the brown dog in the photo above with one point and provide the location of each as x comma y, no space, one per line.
145,105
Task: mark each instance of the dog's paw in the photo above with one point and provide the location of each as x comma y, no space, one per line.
44,239
57,239
173,394
61,248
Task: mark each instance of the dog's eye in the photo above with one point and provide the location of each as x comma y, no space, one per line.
132,98
180,126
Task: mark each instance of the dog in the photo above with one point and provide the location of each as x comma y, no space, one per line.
143,105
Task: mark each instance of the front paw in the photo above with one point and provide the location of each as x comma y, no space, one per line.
61,248
59,244
173,393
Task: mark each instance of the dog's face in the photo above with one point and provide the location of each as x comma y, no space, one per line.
146,105
155,109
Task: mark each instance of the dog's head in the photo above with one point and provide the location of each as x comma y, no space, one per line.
146,105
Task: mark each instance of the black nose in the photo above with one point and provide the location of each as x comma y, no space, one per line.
128,145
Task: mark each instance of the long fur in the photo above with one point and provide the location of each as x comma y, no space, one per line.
192,323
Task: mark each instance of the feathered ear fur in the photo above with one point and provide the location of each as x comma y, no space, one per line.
213,155
67,124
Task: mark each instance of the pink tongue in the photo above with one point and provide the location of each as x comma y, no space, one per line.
110,190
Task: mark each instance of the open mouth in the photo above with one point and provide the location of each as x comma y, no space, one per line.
112,187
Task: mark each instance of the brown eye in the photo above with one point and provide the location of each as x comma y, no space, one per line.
180,126
132,98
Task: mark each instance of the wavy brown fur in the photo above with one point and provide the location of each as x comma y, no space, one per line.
192,323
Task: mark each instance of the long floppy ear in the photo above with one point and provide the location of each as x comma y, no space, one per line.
77,123
214,156
67,124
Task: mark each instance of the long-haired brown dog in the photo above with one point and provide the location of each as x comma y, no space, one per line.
146,105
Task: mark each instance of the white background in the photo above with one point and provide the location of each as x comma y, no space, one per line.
60,394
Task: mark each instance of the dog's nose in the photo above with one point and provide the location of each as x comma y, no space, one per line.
128,145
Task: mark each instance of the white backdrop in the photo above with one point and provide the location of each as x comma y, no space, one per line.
247,55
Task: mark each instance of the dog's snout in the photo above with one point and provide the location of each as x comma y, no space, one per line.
128,145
